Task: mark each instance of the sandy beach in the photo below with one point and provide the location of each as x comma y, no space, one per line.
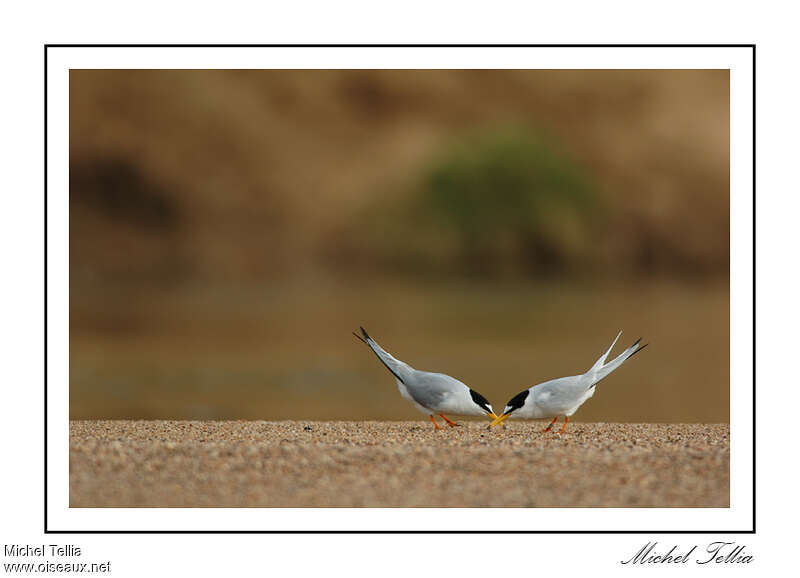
123,463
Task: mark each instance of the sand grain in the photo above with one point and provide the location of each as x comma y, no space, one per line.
395,464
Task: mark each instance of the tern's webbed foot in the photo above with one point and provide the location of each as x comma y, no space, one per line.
548,428
449,422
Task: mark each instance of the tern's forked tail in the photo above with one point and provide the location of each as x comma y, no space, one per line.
601,369
399,369
600,362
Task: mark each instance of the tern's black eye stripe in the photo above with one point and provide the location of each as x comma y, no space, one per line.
479,399
518,400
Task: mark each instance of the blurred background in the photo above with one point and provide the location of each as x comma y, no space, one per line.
230,228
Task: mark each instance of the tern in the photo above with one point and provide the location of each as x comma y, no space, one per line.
563,396
431,393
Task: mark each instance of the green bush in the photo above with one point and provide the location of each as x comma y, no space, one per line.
511,200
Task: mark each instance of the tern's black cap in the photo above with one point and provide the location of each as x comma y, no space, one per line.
481,401
518,400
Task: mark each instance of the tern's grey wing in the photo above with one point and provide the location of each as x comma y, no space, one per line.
431,389
560,394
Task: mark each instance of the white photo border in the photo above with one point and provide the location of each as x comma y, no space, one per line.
738,518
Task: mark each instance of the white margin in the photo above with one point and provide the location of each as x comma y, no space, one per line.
737,517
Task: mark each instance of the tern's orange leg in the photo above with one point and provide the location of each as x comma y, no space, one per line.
548,428
450,423
566,421
434,422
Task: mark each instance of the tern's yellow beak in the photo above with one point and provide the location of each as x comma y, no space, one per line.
492,415
498,420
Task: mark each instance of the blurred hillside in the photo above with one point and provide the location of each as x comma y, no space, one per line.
230,228
243,174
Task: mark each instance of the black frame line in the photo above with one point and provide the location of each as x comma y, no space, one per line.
750,531
400,45
45,289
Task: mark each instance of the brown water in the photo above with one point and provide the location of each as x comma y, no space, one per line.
277,352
